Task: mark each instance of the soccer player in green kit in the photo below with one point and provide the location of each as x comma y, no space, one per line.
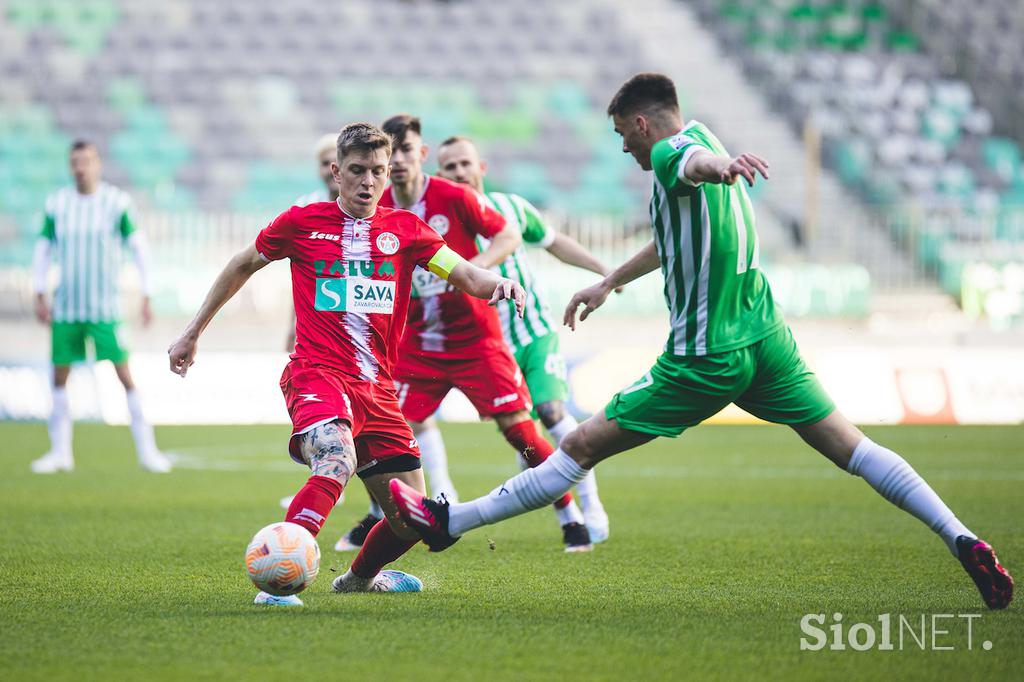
727,344
84,229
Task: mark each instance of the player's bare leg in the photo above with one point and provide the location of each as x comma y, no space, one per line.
440,524
559,423
521,433
387,540
895,480
60,457
150,457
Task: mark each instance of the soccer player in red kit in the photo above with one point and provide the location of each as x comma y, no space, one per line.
452,340
352,263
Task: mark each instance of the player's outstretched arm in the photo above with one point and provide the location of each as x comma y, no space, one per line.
708,167
235,274
593,297
571,252
482,283
501,247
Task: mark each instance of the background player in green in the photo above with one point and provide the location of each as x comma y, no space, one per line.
84,228
533,338
728,343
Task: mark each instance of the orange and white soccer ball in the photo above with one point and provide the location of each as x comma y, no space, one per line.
283,559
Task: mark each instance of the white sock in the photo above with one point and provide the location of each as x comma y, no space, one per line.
528,490
570,513
587,491
142,432
563,428
896,481
356,584
434,458
375,509
60,422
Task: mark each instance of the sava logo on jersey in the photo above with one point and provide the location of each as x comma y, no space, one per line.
354,295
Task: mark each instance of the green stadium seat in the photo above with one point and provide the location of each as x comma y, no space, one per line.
126,94
1002,156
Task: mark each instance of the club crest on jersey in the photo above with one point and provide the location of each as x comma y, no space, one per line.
439,223
387,243
354,295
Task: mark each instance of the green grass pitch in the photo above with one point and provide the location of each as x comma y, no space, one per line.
721,541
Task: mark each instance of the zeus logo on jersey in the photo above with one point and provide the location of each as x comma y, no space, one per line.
354,295
324,235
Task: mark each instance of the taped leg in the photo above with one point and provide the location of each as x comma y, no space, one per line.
330,452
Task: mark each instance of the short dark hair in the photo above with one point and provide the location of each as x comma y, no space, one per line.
363,137
642,92
399,125
454,139
80,144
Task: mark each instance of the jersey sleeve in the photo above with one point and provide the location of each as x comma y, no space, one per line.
669,158
536,231
478,216
126,224
274,241
49,230
432,253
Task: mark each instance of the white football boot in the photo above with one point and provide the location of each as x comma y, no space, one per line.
267,599
52,462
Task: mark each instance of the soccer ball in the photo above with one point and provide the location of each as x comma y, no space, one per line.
282,559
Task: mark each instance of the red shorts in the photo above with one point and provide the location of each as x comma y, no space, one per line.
492,381
316,394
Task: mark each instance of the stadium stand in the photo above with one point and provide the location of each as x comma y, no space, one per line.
898,125
194,118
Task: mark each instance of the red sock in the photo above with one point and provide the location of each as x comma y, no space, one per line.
534,448
380,548
314,502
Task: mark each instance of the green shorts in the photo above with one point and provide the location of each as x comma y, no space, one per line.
544,370
768,379
68,342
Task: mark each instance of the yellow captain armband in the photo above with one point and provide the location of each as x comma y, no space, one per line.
444,261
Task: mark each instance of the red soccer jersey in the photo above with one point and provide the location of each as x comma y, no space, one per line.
442,320
351,279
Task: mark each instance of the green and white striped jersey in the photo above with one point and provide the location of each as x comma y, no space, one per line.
536,321
87,232
718,299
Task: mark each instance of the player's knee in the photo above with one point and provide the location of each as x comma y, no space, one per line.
581,447
330,451
551,412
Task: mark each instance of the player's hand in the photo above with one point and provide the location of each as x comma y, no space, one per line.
147,312
746,166
42,309
182,355
593,297
507,290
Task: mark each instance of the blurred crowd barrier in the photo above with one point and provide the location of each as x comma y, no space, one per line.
889,385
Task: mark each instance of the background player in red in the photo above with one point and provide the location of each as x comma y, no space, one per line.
351,265
452,340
